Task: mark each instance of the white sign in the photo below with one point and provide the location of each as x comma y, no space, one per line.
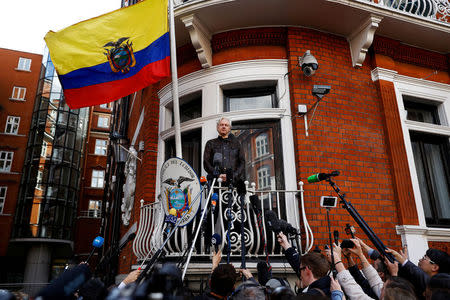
180,189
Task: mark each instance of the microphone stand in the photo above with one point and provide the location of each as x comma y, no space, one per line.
242,196
230,200
333,269
361,222
205,209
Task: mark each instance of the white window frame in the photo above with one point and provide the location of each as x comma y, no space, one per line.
7,157
98,179
262,145
13,123
103,121
18,90
24,64
438,93
96,212
39,177
263,177
3,192
101,149
44,149
210,83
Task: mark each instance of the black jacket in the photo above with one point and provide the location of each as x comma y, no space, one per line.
416,276
322,284
293,259
232,156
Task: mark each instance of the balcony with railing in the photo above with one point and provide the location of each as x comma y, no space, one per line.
226,221
420,23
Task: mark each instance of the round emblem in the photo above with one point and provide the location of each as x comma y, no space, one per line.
180,190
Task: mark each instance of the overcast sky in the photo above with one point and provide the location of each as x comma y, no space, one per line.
24,23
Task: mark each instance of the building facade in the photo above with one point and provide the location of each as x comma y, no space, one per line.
384,123
19,78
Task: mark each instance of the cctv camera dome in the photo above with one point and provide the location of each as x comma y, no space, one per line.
308,70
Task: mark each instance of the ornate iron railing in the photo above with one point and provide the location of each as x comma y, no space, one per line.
438,10
258,239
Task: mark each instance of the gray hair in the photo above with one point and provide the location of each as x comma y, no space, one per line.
223,118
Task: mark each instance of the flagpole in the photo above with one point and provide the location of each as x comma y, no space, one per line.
173,62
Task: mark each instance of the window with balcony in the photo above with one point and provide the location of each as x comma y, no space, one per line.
431,153
3,190
24,64
18,93
95,208
12,125
6,158
98,178
101,147
103,122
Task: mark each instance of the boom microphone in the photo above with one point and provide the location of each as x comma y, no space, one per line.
216,240
272,221
322,176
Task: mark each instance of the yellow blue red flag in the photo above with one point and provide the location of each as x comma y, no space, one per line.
111,56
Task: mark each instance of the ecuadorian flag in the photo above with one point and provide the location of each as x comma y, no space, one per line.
111,56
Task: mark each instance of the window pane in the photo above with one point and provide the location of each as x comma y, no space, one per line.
421,112
191,148
252,98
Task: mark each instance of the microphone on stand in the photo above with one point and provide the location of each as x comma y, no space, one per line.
97,243
171,220
216,240
336,237
322,176
214,198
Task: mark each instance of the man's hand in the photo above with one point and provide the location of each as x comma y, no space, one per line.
335,286
282,239
131,277
246,273
399,257
337,255
357,250
223,177
217,257
392,267
364,246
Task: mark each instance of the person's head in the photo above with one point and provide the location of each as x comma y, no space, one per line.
382,269
224,127
439,287
313,266
249,290
274,283
223,279
397,288
282,293
435,261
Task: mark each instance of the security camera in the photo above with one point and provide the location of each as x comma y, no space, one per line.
308,63
320,90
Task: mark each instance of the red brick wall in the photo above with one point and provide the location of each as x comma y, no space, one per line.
347,134
10,77
444,246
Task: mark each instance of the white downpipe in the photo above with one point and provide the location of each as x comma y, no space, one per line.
308,231
173,65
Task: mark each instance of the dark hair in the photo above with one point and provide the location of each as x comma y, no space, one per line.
397,288
317,263
382,268
223,279
281,293
440,258
439,287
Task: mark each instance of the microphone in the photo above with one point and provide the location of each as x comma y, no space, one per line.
214,198
203,180
336,237
97,243
129,238
256,205
216,240
272,221
287,228
217,160
66,284
170,219
322,176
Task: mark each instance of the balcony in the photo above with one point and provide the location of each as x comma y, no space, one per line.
420,23
259,240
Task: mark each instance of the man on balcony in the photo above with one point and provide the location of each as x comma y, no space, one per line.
223,156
